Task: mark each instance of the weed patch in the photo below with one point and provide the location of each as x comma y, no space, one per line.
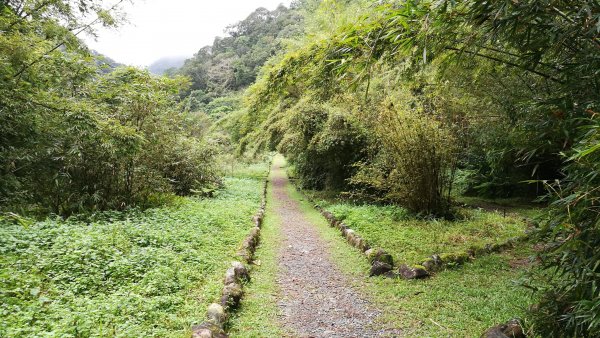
411,240
135,273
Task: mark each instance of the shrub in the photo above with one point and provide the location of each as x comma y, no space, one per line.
123,143
323,143
192,167
415,162
570,298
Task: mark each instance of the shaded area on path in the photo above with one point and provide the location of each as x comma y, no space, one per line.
317,300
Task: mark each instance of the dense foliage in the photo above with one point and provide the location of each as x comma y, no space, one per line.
122,274
389,101
320,141
231,63
75,137
512,87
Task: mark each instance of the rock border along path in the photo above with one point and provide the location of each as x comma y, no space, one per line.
217,313
316,298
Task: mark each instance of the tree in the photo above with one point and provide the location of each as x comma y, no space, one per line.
74,137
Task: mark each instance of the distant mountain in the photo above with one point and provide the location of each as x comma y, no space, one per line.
105,63
159,66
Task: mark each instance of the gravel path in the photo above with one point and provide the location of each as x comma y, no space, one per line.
317,299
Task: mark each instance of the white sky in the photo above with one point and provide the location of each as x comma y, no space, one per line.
161,28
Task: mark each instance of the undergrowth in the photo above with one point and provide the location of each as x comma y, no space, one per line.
122,274
455,303
410,239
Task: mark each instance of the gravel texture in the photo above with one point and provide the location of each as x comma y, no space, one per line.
316,298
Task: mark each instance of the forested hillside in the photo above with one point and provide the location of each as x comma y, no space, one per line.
455,145
411,102
232,63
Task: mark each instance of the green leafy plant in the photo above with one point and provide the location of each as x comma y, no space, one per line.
415,164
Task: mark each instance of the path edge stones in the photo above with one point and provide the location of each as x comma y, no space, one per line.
382,262
235,277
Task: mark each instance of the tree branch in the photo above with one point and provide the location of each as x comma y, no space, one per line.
21,18
41,57
508,63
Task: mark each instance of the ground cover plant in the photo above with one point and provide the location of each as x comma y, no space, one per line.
122,274
457,302
411,239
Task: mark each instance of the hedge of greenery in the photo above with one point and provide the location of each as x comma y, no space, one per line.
121,274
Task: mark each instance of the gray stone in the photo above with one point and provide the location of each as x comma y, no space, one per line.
511,329
249,244
350,237
232,294
241,272
379,268
379,255
216,314
255,235
245,254
230,276
208,330
345,232
361,244
329,216
428,264
257,220
433,263
412,272
356,241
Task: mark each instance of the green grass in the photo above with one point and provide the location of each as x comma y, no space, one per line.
461,302
145,273
411,240
247,170
524,207
257,315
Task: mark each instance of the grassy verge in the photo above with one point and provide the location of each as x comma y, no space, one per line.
524,207
411,240
122,274
460,302
257,315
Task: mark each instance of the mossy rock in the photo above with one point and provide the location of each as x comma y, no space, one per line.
379,255
208,330
454,258
413,272
232,294
379,268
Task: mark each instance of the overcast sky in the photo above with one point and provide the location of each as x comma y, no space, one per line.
160,28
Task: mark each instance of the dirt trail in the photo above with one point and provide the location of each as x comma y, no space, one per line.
316,299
